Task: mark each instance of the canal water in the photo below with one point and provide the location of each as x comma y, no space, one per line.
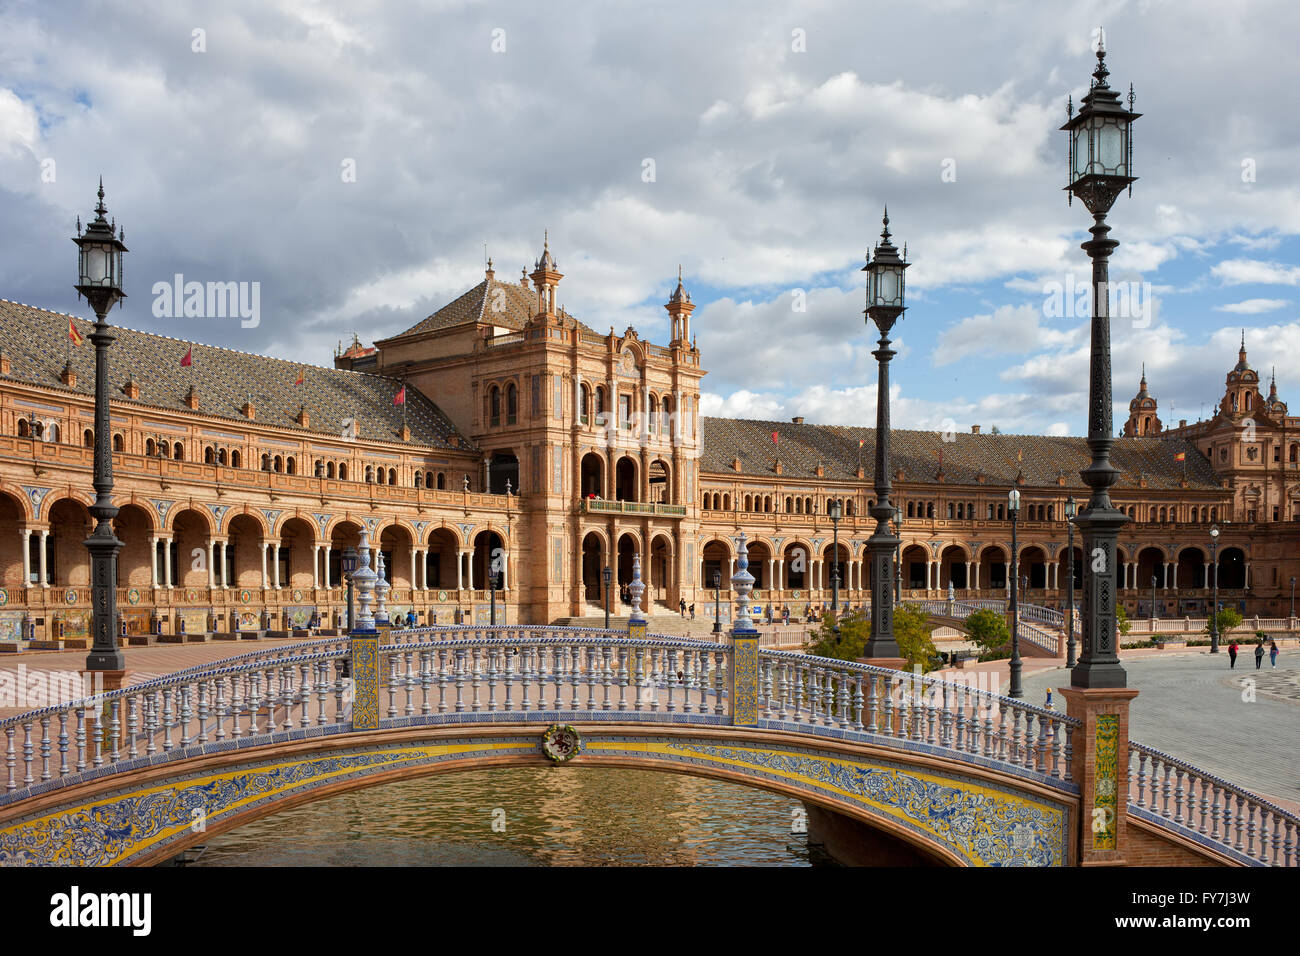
548,816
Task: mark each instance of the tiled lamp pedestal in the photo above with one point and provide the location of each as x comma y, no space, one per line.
1100,768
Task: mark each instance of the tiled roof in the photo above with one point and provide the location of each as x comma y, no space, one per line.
35,340
999,458
506,304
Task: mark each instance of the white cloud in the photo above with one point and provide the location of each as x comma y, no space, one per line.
1254,306
1242,271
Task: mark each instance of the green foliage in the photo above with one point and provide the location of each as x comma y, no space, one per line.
989,630
911,630
1226,619
1122,621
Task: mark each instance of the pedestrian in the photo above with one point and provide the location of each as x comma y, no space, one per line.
1259,654
785,615
681,606
1272,652
1232,655
692,612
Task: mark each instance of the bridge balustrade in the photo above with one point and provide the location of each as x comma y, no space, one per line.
1203,806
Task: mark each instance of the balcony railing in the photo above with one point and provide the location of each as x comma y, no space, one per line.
659,509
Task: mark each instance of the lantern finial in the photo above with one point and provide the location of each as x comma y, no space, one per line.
884,233
1099,75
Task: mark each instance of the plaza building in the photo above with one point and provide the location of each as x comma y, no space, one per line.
502,434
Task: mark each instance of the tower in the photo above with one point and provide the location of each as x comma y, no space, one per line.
1241,397
1142,418
546,276
680,307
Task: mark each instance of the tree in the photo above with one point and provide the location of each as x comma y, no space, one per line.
995,430
911,631
989,630
1227,619
1122,622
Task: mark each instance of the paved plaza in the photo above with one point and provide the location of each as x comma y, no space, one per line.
1190,705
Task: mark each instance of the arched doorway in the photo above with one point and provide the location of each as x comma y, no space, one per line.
625,480
1033,567
993,569
662,579
399,549
715,558
593,566
441,559
592,480
1151,564
916,566
245,548
345,534
1191,568
11,541
660,485
952,568
627,549
295,554
1232,568
794,566
504,468
67,562
489,558
759,554
133,527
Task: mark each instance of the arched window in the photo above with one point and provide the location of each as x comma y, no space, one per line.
88,439
329,469
119,443
343,471
952,510
419,479
600,405
392,476
1051,509
221,456
380,476
911,509
929,510
512,404
370,474
1214,514
209,456
150,448
1248,402
807,506
24,429
442,481
584,414
266,462
726,502
236,459
1001,513
54,432
494,405
428,479
279,464
319,469
291,465
1295,453
851,508
789,505
653,424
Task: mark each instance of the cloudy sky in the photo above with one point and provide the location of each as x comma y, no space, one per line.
354,159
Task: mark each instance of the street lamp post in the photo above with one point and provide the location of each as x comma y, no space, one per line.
1101,161
1013,505
898,555
1153,599
1293,597
1214,592
100,281
607,575
836,511
1071,509
717,607
348,561
885,306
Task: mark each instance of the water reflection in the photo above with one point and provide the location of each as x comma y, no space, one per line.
549,816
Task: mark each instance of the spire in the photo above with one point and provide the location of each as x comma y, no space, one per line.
1099,75
884,233
1272,385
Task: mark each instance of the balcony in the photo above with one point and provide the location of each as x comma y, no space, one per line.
657,509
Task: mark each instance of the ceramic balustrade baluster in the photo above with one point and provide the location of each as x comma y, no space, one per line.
444,680
98,760
857,703
45,748
1002,733
392,683
931,713
842,699
1178,795
591,658
168,718
606,677
1069,753
1289,847
493,655
655,677
1166,788
81,744
187,713
149,702
460,679
288,695
219,709
1141,778
1250,828
133,725
531,673
721,668
575,677
115,727
63,743
623,679
1216,813
304,695
11,754
411,682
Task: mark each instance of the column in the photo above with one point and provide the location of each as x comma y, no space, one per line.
275,562
422,565
414,583
225,573
460,570
505,570
45,578
469,564
264,547
1174,573
27,556
153,560
1248,574
315,565
1169,574
1205,574
968,577
977,575
731,570
167,563
212,563
780,574
771,581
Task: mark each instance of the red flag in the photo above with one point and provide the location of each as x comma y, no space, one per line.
400,397
299,379
189,357
77,337
861,442
775,440
1181,456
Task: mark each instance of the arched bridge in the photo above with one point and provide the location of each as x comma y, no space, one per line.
951,773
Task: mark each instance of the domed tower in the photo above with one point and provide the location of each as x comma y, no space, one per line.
546,276
1242,394
680,307
1142,418
1275,406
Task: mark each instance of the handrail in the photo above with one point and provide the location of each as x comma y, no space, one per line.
1216,797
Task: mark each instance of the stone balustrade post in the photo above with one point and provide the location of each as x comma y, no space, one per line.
364,660
744,646
1100,768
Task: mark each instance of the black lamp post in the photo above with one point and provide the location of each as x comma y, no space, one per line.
100,281
494,582
836,511
1214,592
1071,509
884,307
898,556
1101,165
608,576
1153,597
1013,506
717,602
1293,597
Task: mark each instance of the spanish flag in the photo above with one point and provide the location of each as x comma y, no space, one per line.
861,442
187,359
298,381
775,439
400,397
77,337
1181,456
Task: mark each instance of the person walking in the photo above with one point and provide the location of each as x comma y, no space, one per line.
692,612
1272,652
681,606
1232,655
1259,654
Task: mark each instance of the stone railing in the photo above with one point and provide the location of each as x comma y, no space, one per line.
1210,810
603,506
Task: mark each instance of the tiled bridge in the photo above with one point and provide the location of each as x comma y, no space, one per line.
945,772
